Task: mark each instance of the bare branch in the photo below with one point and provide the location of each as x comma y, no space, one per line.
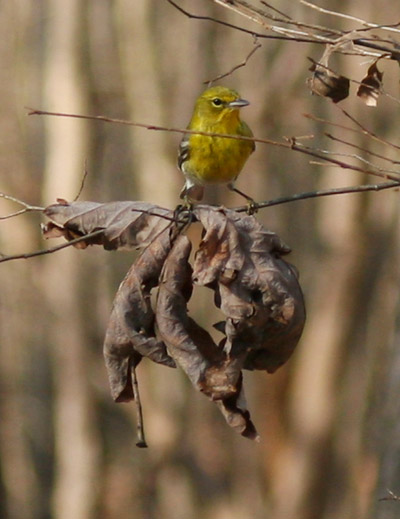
247,31
393,28
85,174
364,150
26,207
257,45
391,497
316,194
4,258
320,36
291,143
368,132
141,440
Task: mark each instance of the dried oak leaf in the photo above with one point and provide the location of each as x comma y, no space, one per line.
130,334
328,84
371,86
205,364
188,344
324,81
125,224
234,410
262,301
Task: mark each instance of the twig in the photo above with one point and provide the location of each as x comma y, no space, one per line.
361,131
366,131
286,16
289,21
257,45
364,150
256,15
85,174
321,154
352,18
251,13
317,194
291,143
4,258
141,440
247,31
27,208
384,171
391,497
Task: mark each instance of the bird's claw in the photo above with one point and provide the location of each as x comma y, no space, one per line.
252,207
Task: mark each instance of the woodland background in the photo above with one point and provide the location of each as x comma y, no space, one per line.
329,420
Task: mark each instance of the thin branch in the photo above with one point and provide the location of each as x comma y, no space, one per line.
4,258
256,15
257,45
384,171
364,150
85,174
321,154
393,28
285,16
253,14
368,132
247,31
141,439
316,194
291,143
391,497
26,207
361,131
290,21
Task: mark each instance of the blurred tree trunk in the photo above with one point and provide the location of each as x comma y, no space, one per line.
147,100
20,489
76,442
386,427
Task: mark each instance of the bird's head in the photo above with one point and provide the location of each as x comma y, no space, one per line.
218,102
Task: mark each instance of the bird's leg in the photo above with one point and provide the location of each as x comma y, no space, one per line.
251,203
183,213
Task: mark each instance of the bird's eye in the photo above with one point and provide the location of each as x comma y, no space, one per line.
217,101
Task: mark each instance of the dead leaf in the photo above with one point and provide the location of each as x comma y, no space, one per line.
262,301
371,86
126,224
234,410
130,334
188,344
240,260
327,84
324,81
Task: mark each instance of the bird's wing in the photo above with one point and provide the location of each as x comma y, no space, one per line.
184,150
246,132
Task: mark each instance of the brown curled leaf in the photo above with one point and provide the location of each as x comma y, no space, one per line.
234,410
188,344
218,253
327,84
269,285
371,86
262,301
126,224
130,334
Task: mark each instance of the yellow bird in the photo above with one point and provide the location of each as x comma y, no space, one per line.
214,160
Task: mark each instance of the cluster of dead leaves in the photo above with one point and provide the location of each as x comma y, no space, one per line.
256,290
327,83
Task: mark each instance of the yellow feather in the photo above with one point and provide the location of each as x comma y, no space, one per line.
209,160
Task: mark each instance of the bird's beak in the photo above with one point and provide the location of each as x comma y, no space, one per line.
237,103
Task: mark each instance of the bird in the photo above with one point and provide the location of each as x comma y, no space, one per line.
205,159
